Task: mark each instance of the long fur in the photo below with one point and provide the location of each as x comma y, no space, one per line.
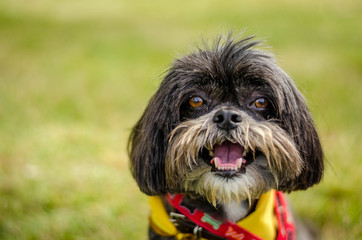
165,143
281,161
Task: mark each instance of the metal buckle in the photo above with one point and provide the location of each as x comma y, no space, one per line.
174,216
196,233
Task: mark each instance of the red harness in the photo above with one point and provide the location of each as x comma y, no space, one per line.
232,231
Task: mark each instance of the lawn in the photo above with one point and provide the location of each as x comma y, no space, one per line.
76,75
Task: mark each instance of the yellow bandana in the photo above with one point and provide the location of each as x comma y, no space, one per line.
262,222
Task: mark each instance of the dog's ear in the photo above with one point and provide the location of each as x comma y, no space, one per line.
146,152
148,141
297,121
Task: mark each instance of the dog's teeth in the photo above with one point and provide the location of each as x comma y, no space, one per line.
244,152
240,161
211,153
215,161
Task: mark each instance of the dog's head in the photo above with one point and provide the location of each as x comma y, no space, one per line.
226,123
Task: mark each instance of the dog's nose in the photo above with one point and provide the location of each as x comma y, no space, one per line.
226,119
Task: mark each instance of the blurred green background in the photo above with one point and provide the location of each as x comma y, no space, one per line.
76,75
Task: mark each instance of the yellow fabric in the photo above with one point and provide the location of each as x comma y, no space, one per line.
262,222
159,218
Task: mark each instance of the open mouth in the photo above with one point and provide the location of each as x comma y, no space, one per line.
228,158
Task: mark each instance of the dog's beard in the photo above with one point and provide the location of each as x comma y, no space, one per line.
274,158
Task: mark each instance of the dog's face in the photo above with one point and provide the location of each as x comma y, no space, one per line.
227,124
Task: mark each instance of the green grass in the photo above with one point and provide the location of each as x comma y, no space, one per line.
76,75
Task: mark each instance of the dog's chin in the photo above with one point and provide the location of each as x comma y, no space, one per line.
223,183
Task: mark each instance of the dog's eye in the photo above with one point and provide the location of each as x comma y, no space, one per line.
196,101
261,103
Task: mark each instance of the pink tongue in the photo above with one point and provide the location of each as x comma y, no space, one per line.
229,152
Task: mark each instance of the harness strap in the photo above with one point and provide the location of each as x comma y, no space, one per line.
285,220
195,224
213,224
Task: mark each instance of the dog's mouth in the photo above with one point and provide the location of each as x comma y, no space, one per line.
227,158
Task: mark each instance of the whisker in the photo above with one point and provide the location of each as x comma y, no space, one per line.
267,142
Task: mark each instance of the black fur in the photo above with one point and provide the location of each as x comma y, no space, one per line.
222,72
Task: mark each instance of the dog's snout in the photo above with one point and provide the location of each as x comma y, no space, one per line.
226,119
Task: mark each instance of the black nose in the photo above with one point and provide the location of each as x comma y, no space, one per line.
226,119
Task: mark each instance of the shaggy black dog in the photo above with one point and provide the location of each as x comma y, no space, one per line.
226,125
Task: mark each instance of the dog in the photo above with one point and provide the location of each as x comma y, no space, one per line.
224,135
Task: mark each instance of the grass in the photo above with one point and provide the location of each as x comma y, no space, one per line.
76,75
